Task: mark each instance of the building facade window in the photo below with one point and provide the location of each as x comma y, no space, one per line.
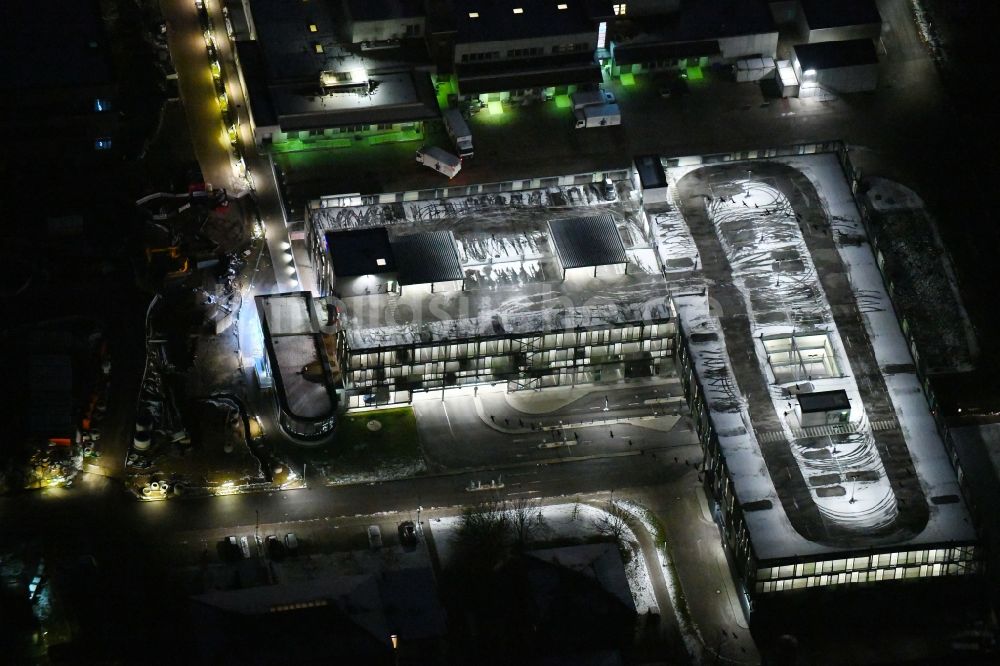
103,143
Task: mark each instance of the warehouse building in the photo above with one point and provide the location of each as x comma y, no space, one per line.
825,21
310,85
503,49
698,35
830,68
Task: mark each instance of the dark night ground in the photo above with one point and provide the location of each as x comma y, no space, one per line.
129,604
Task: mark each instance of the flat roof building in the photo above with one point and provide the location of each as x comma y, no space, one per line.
525,295
825,21
503,45
824,468
835,67
698,34
313,79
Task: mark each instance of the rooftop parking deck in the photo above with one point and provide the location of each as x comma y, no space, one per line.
778,242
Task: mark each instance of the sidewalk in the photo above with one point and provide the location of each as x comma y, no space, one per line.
542,401
695,548
502,421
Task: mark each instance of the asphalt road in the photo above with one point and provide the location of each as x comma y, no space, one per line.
98,510
211,143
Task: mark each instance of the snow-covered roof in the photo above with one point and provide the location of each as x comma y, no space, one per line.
773,269
511,275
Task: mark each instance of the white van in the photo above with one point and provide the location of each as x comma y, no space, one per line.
440,160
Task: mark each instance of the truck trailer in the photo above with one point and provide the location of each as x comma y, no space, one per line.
440,160
459,132
598,116
585,98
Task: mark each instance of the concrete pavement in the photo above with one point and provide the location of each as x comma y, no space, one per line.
695,547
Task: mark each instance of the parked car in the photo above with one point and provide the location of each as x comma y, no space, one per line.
231,547
374,537
291,543
609,190
275,549
408,534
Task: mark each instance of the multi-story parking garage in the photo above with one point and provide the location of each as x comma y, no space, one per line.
822,459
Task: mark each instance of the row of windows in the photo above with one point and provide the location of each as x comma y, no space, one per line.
349,129
569,342
480,57
490,364
570,48
901,573
868,562
522,53
527,52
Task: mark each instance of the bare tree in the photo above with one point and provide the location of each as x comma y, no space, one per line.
613,522
522,515
485,522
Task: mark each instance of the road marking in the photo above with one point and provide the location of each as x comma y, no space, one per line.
444,406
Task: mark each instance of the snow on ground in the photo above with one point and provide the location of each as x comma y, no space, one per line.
389,472
689,632
926,287
773,269
564,521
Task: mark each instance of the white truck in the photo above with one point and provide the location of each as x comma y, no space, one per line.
459,132
584,98
598,116
440,160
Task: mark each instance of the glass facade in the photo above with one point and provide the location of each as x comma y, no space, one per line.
387,375
866,566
